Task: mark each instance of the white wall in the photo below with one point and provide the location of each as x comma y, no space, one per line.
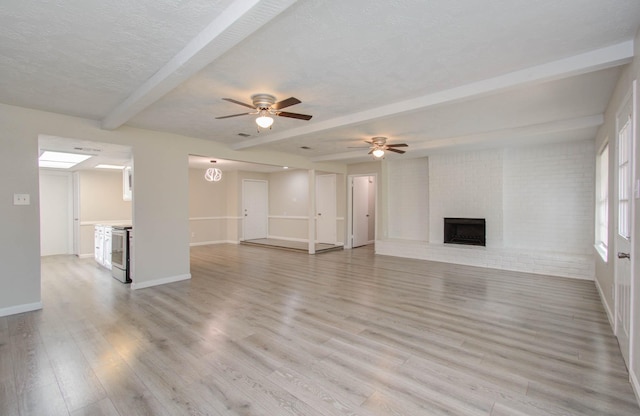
289,205
549,197
208,204
19,241
409,199
537,202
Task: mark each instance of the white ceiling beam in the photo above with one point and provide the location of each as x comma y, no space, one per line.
235,23
611,56
513,135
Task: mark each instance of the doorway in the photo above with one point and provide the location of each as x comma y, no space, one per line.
326,211
255,209
56,201
362,207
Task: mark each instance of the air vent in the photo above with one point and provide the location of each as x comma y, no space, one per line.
244,135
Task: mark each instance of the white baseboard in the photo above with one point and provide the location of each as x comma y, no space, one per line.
85,256
635,385
607,309
162,281
208,243
27,307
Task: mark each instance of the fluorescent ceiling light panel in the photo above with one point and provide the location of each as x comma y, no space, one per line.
54,164
60,160
103,166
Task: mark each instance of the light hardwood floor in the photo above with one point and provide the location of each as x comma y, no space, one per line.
258,331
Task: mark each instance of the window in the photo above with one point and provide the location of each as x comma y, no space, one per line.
602,202
624,180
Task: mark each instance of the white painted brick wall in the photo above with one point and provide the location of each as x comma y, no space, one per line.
538,202
408,199
549,197
466,185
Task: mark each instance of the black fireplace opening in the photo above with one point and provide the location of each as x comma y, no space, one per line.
470,231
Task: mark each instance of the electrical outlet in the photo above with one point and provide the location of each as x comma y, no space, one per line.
21,199
193,234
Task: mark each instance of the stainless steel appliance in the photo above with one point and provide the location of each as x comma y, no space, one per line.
120,259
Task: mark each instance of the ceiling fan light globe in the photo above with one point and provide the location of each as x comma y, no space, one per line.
264,121
378,153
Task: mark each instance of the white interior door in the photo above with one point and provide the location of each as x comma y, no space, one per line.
360,213
326,212
624,229
255,209
55,213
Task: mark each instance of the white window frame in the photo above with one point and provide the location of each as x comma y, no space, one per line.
602,203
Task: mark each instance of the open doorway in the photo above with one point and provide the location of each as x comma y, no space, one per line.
362,210
75,198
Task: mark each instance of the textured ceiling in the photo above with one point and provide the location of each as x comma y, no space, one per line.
435,75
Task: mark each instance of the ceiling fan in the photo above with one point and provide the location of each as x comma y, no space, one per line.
379,146
266,106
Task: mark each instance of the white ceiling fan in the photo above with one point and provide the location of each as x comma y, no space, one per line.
379,146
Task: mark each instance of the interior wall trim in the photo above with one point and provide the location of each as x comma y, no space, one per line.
607,308
162,281
213,218
26,307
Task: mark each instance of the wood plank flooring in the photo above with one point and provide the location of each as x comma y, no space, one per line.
258,331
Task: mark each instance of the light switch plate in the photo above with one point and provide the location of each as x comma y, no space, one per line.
21,199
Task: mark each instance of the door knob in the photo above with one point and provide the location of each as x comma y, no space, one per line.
622,255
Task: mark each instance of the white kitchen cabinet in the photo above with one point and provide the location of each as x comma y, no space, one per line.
102,243
99,244
106,259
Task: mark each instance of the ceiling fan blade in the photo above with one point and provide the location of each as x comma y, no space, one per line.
371,151
232,115
231,100
398,145
396,150
294,115
285,103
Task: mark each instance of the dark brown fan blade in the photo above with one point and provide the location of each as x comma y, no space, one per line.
231,100
294,115
232,115
398,145
285,103
395,150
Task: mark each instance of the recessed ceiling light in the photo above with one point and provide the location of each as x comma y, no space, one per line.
103,166
285,167
60,160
